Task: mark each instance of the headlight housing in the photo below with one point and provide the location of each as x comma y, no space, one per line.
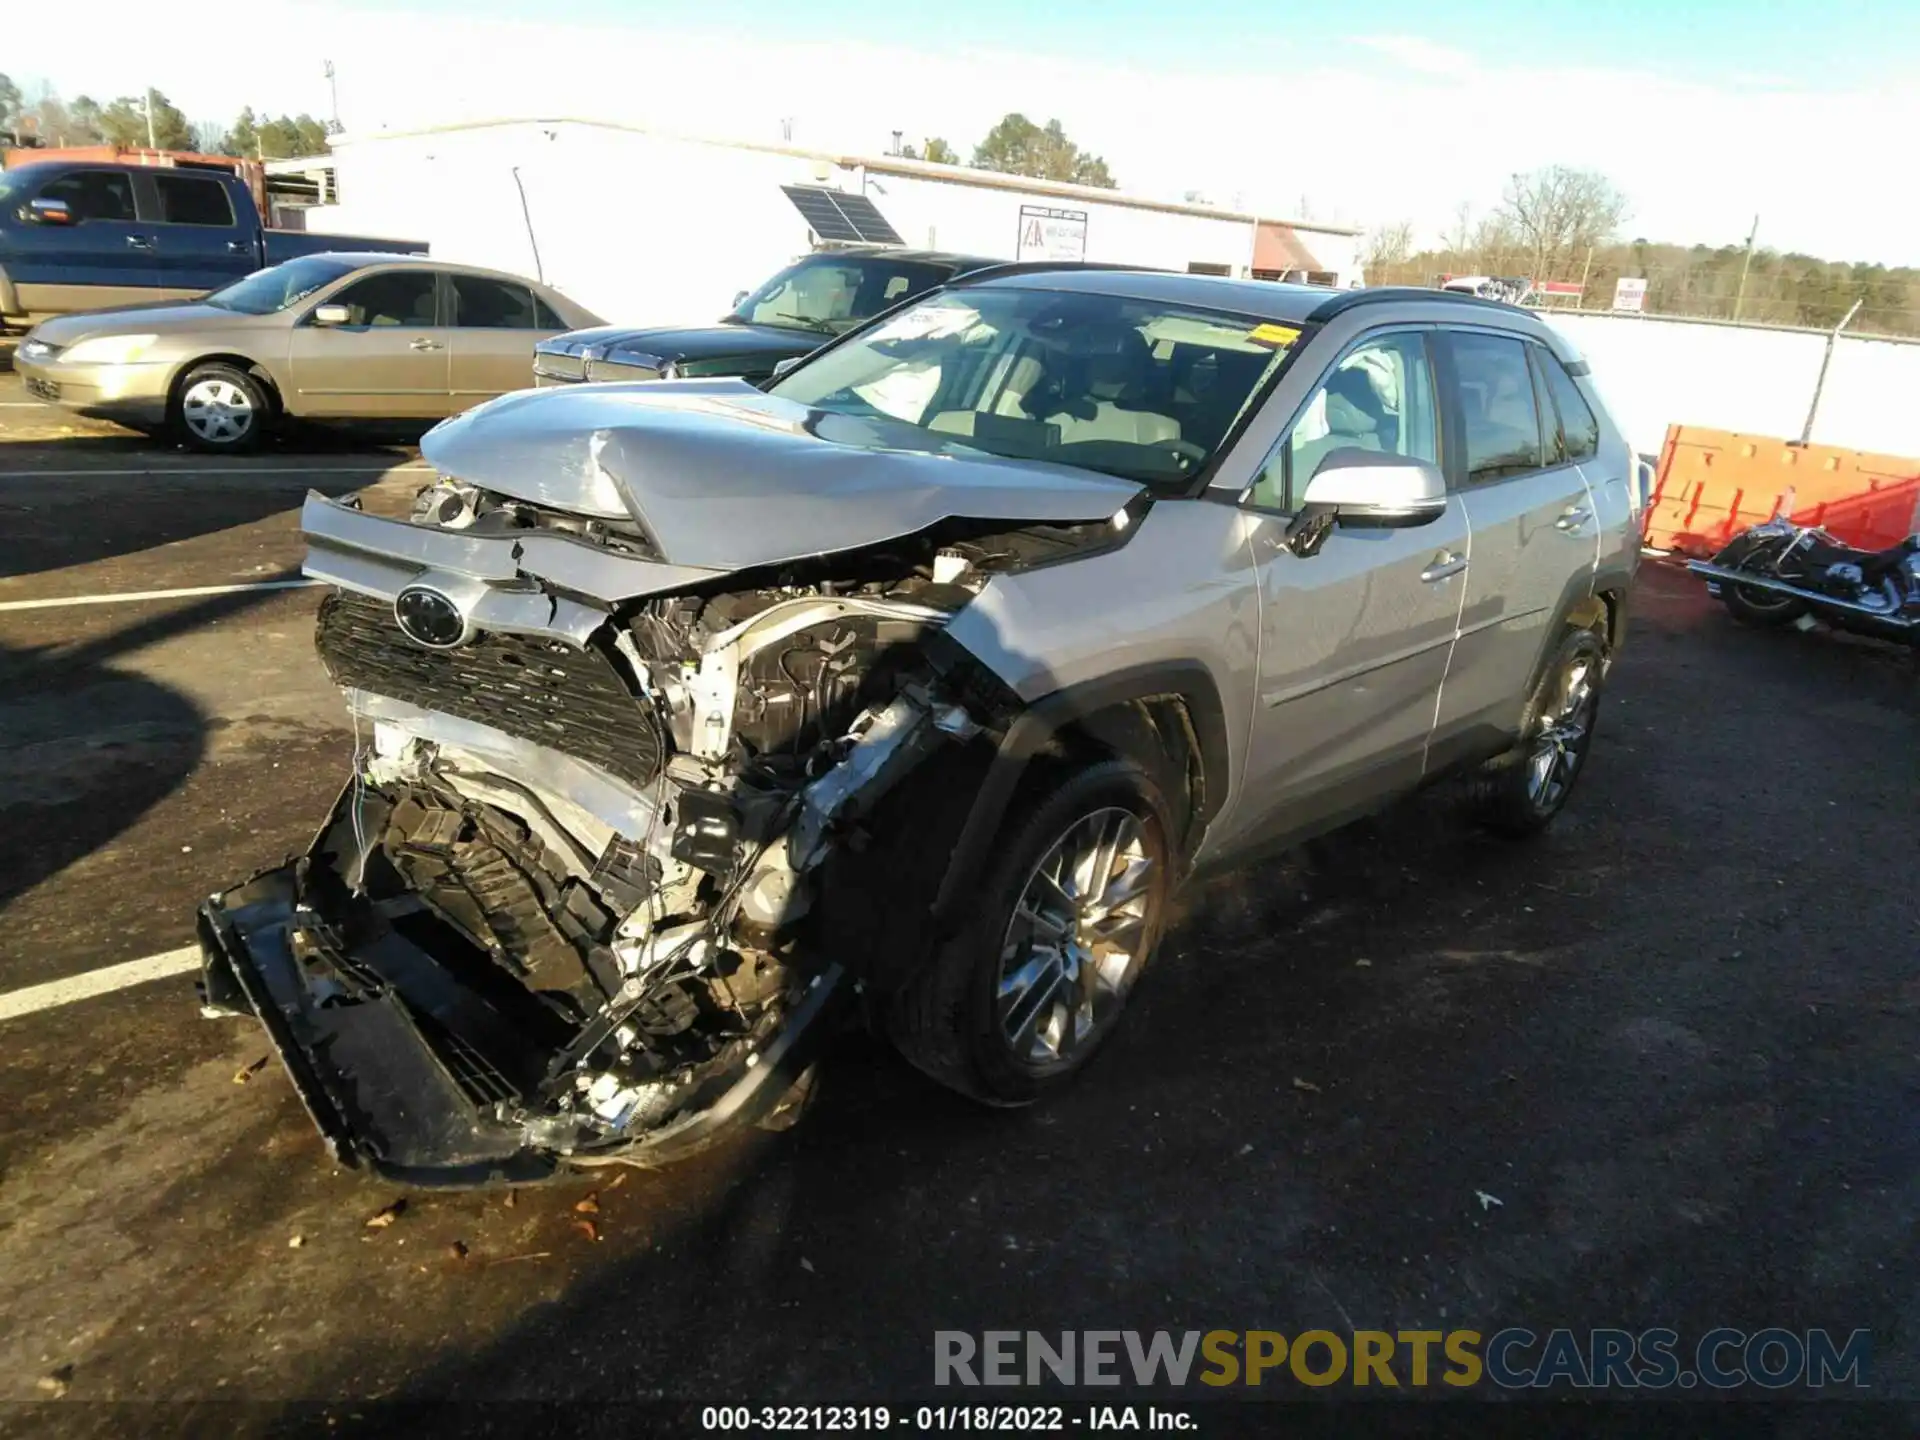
109,349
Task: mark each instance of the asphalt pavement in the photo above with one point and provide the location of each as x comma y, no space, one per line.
1658,1067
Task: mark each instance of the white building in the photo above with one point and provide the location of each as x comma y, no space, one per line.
651,228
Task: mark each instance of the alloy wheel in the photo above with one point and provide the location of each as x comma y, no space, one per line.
1076,939
1562,733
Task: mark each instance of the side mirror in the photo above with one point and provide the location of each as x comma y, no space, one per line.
781,367
50,212
1365,488
738,298
332,315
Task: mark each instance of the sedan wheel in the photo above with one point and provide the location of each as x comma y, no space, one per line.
220,408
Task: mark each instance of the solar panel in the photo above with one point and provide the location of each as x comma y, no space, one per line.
834,215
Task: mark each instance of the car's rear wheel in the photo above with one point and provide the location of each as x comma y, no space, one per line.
1068,916
1520,792
221,408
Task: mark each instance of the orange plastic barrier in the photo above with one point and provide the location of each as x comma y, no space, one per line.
1713,484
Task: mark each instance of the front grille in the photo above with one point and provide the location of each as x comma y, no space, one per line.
551,366
538,690
42,389
622,370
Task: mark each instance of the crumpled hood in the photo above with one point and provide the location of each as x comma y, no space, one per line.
726,477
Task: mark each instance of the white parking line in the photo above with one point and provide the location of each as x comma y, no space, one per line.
188,593
368,469
23,405
98,982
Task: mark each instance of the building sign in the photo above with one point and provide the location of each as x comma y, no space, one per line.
1051,234
1629,293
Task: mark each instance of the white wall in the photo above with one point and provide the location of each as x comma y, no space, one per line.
1656,372
650,229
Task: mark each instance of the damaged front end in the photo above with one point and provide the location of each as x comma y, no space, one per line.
562,911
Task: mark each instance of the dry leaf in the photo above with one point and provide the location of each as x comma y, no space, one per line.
56,1382
806,1265
590,1205
510,1201
247,1072
457,1250
587,1228
1306,1085
618,1181
386,1215
294,1242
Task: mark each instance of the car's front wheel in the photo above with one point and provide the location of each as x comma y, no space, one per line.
221,408
1067,917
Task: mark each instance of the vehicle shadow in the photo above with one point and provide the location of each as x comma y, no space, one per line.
57,512
87,748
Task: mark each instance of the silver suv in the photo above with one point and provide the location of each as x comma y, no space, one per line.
694,716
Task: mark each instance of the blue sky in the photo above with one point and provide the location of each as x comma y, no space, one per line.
1702,113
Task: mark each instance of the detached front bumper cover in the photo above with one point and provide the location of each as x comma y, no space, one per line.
411,1071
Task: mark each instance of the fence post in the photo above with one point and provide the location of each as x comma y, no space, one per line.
1826,359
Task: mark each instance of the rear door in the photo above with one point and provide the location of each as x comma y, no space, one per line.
388,361
104,258
1354,640
1533,531
199,239
496,324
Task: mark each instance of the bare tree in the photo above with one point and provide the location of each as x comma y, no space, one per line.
1557,213
1388,247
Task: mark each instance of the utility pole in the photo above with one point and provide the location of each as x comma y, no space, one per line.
1580,300
1806,435
333,93
147,99
1741,294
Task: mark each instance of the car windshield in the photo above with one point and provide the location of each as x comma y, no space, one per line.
830,294
1136,388
276,288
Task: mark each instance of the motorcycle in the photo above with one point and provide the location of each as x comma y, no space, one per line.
1779,573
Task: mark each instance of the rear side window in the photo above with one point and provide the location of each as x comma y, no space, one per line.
1577,422
480,304
93,194
1500,423
546,315
189,200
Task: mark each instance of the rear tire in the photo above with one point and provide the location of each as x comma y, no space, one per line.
1518,794
1009,1009
221,409
1766,609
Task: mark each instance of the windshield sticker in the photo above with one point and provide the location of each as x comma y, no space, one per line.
929,322
1274,334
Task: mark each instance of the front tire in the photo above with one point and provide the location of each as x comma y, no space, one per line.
1067,918
1518,794
221,409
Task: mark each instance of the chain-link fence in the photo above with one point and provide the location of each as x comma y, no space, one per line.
1790,290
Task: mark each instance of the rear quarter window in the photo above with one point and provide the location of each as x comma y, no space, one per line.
192,200
1577,421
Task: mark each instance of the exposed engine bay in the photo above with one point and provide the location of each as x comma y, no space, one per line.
562,909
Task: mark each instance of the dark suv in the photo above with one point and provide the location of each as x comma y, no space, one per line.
814,299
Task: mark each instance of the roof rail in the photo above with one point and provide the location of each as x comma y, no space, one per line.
1043,267
1349,299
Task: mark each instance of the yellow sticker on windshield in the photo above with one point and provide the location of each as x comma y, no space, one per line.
1274,334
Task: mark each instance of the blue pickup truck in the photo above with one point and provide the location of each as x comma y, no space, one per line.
76,235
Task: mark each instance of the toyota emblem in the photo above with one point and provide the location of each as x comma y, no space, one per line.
427,617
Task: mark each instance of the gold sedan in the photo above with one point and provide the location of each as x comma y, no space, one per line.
324,337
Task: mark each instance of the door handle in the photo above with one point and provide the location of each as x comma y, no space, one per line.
140,242
1573,517
423,344
238,247
1443,566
